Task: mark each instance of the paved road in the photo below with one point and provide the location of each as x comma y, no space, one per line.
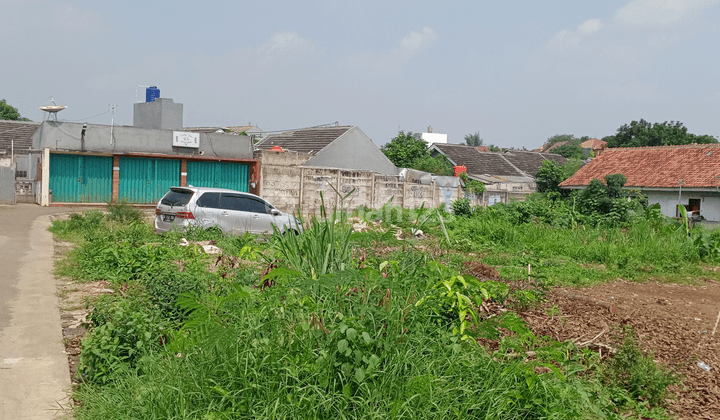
34,374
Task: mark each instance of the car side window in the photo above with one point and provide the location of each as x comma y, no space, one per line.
233,202
209,199
257,206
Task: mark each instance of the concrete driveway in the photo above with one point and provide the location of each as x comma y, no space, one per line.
34,375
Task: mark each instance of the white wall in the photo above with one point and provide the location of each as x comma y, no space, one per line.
709,202
431,138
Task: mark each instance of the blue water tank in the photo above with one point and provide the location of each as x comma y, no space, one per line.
151,94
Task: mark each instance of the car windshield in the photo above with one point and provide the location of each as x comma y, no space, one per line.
176,197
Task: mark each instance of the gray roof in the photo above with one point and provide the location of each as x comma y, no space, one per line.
19,131
513,163
304,140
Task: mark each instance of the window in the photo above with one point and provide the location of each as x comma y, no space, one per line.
176,197
238,202
209,199
20,174
233,202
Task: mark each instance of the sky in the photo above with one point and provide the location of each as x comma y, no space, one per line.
516,72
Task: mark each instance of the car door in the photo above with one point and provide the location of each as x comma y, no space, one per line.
207,210
262,218
234,215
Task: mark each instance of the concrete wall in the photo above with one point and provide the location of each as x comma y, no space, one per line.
68,136
7,184
162,114
668,200
290,188
355,151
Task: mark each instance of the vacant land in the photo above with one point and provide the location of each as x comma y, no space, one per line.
391,313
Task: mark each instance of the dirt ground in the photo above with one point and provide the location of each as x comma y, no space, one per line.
675,322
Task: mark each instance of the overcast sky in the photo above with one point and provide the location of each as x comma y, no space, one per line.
517,72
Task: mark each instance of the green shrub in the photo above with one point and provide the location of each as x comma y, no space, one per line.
120,334
461,207
631,373
123,212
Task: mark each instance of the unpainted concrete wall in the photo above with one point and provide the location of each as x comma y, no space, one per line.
7,184
290,188
68,136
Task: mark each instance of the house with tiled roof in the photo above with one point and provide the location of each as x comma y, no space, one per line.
594,145
342,147
512,170
668,175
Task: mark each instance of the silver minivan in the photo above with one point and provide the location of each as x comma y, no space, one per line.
231,211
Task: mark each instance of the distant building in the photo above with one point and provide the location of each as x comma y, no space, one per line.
594,145
432,138
671,176
341,147
511,174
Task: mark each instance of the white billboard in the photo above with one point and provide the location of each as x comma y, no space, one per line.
186,139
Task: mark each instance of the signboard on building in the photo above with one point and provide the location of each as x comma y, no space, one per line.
186,139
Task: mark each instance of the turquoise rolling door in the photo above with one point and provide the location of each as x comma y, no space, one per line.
230,175
147,180
80,178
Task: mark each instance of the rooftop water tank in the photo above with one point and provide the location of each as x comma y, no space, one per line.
152,93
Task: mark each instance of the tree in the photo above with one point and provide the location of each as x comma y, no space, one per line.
569,151
549,176
474,139
8,112
439,165
643,133
405,149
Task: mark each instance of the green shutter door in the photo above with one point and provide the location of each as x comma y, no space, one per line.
147,180
80,178
230,175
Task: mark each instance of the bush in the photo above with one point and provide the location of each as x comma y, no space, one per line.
635,374
123,212
462,207
121,333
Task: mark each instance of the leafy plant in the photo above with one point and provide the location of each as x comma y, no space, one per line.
123,212
462,207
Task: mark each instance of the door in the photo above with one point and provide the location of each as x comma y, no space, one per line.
694,206
234,215
230,175
207,210
147,180
80,178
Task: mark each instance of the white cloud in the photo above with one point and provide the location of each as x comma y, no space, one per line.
660,12
72,20
283,44
573,37
415,42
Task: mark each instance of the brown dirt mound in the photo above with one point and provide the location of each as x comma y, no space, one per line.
675,322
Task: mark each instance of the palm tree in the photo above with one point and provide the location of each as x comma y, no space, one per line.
473,139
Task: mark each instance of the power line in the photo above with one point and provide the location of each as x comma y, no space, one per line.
88,118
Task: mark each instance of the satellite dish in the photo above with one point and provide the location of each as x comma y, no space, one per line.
52,110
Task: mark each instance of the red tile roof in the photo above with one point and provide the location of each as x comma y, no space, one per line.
660,167
483,149
593,144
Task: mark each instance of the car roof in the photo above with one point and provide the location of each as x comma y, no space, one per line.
210,189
